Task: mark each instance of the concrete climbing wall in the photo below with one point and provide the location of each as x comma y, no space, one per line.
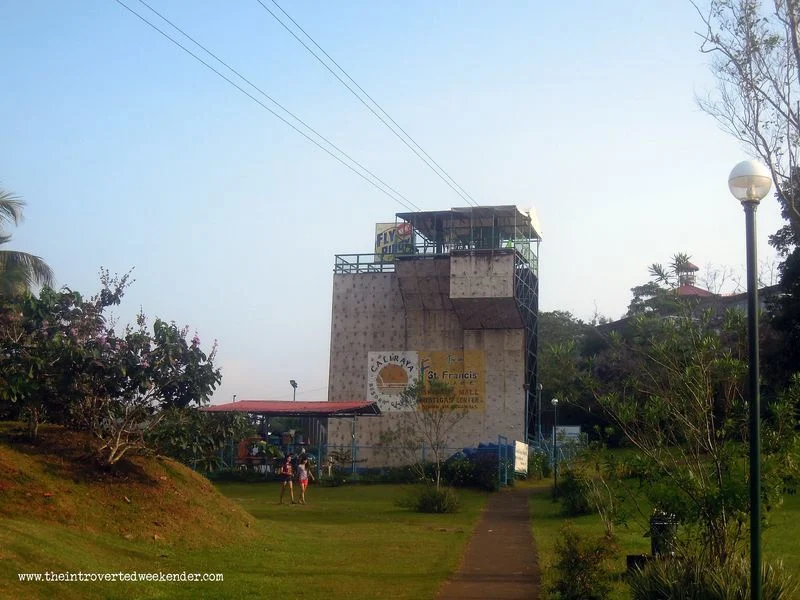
368,314
413,309
482,290
482,275
505,375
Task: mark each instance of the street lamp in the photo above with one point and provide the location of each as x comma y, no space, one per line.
749,182
554,402
293,383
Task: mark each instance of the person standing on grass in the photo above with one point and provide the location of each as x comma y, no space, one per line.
287,473
303,473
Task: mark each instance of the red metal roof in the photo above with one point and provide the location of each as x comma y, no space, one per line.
688,289
298,409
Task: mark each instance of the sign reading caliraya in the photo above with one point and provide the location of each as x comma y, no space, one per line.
388,374
391,372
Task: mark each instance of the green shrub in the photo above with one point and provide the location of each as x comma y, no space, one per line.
484,471
547,468
581,566
438,500
478,470
458,470
694,579
430,499
197,439
574,494
538,465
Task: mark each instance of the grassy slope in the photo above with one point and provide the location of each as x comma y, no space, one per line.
144,499
58,512
348,542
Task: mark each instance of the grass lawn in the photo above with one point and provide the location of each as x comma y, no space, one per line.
348,542
353,542
780,539
546,522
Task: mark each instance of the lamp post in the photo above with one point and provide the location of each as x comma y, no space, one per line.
293,383
539,411
749,182
554,402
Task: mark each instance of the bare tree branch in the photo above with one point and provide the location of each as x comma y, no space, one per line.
757,58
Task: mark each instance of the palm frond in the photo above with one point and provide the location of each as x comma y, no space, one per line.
680,261
10,208
20,269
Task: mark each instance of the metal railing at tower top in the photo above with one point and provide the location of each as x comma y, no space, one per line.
377,263
448,232
423,247
362,263
480,228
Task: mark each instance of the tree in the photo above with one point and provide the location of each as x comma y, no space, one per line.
197,438
657,295
61,360
651,297
43,353
756,45
782,356
428,414
19,271
561,336
674,387
561,340
564,344
131,381
756,60
675,273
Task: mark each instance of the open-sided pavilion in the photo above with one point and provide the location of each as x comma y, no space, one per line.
315,415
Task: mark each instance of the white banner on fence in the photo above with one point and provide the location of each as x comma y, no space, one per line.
520,457
567,433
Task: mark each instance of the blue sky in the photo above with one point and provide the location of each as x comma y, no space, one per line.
129,153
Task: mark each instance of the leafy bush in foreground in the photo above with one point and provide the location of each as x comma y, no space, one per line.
694,579
582,572
430,499
539,465
574,494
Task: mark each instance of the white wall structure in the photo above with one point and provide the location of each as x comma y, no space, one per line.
450,308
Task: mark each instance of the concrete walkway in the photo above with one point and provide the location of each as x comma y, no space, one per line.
500,562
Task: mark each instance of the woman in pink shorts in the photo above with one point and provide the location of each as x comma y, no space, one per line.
303,473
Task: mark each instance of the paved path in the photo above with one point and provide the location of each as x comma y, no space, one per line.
500,562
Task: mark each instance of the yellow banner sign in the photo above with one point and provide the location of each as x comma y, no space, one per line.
462,370
392,239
